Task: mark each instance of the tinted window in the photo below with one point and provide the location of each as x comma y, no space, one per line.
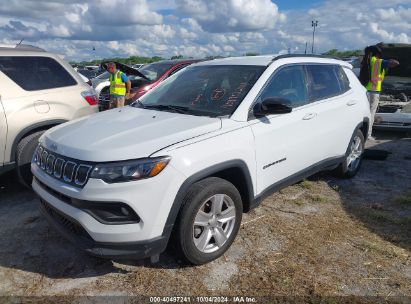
36,73
154,71
343,79
288,83
324,82
215,90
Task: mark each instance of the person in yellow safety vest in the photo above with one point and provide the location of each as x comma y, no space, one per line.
120,86
377,68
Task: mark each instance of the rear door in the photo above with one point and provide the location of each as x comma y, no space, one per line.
334,106
3,133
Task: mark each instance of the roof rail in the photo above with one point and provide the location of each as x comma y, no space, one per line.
304,55
22,47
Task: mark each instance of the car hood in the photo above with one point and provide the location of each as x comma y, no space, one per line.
126,133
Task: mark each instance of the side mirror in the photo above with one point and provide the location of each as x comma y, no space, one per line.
273,105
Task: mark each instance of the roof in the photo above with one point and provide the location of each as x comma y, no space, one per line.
176,61
263,60
266,60
21,47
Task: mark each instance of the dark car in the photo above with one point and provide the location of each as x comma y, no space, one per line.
145,78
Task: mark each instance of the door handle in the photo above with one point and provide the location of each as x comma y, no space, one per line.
351,103
309,116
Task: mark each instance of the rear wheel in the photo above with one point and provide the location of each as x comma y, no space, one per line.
24,154
352,162
209,220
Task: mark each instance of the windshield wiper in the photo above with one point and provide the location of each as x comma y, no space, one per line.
137,103
178,109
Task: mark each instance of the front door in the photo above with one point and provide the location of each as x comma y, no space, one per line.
284,142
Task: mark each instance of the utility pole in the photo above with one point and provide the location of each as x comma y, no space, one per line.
314,24
305,52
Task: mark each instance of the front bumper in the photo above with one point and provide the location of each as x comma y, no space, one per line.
72,231
147,237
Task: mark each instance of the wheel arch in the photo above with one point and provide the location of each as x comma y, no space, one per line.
364,127
40,126
234,171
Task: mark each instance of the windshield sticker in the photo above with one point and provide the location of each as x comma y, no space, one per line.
196,100
217,94
232,100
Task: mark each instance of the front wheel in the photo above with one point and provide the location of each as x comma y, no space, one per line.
24,153
353,159
209,220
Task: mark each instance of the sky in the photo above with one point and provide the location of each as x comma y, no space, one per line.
200,28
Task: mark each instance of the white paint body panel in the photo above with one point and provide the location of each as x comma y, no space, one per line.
197,143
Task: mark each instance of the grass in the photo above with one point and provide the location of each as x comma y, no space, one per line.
316,198
378,249
306,184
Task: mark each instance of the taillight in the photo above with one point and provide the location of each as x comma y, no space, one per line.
90,97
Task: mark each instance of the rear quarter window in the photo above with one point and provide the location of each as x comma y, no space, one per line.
324,81
343,79
33,73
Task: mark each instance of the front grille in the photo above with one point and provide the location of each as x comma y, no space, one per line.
68,223
67,170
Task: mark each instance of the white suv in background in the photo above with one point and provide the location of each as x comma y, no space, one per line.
38,91
188,158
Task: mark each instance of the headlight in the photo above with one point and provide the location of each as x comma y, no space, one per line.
129,170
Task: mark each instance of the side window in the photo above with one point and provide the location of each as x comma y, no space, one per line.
288,83
35,73
343,79
323,81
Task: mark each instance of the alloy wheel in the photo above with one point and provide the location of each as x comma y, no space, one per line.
214,223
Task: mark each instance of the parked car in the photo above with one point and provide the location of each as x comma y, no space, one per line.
40,91
85,79
90,74
184,161
143,79
394,111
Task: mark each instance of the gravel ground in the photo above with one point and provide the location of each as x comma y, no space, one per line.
322,237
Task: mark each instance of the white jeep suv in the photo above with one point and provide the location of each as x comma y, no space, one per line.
188,158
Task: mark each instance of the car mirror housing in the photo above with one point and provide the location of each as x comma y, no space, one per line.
273,105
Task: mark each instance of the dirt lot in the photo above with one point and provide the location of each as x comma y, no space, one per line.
323,236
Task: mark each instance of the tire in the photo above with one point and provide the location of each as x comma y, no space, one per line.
353,157
190,239
24,154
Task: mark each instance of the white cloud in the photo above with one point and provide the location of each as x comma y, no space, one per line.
199,28
231,15
122,12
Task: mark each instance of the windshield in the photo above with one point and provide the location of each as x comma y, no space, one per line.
214,90
155,70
